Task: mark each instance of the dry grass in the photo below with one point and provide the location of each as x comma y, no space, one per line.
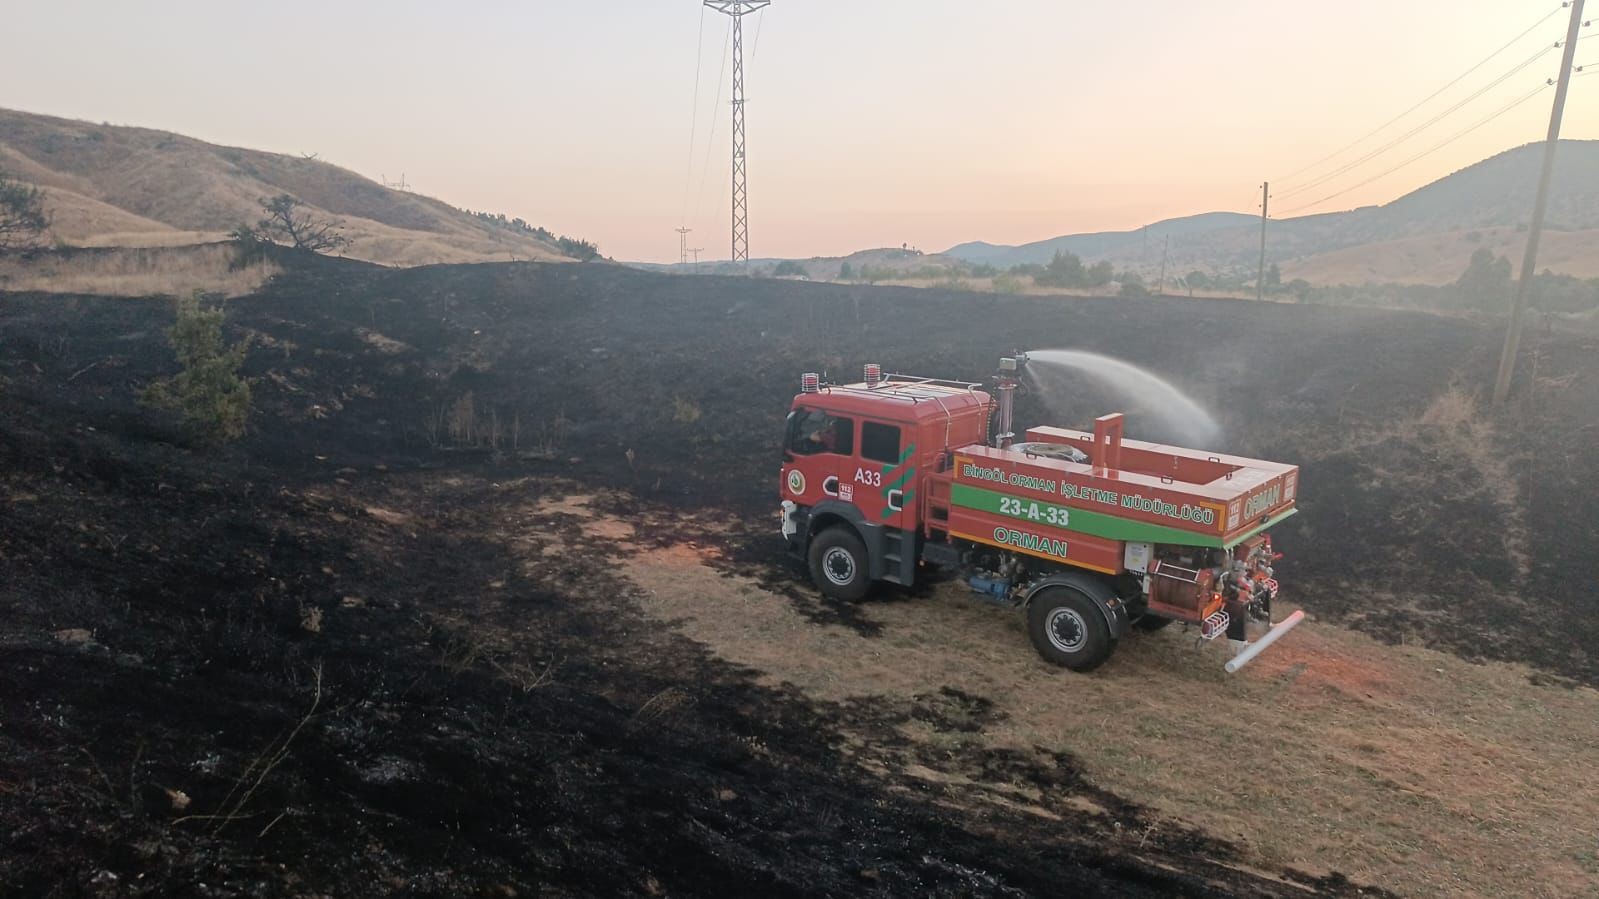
84,221
131,187
466,423
147,271
1440,258
1455,433
1027,288
1455,422
1396,766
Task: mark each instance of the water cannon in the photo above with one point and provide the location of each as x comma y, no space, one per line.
1006,380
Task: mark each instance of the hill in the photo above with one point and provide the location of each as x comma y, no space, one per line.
115,186
1479,202
1439,258
1100,244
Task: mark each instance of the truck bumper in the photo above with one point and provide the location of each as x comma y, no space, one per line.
793,527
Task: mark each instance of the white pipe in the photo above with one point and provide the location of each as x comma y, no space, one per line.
1283,627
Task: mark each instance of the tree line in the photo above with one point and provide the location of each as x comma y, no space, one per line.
579,249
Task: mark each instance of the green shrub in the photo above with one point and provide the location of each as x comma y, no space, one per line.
1007,283
208,392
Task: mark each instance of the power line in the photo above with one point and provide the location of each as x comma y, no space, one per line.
694,121
1419,128
1512,105
1484,61
760,20
705,167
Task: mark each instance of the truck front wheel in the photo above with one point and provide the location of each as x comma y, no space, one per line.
838,565
1069,629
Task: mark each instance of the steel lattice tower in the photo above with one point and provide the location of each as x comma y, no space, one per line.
738,9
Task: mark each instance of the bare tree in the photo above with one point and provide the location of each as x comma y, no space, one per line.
291,222
22,217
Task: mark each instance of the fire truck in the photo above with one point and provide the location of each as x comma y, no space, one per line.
1089,534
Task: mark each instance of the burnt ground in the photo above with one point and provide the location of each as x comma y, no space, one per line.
323,644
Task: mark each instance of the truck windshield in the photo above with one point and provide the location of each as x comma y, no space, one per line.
812,431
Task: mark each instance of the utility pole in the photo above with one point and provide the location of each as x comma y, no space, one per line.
1161,287
682,244
738,9
1260,279
1529,261
696,251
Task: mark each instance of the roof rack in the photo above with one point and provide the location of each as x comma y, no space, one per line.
936,382
886,387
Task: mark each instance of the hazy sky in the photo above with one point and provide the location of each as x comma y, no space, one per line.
871,122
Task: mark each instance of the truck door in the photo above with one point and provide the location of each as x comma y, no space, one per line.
884,479
819,448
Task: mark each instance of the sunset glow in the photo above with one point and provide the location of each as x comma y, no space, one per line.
870,123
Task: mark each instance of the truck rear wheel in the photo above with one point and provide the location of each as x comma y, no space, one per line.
1069,629
839,565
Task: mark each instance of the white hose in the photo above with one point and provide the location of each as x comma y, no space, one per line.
1283,627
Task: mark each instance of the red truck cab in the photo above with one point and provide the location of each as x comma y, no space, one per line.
856,454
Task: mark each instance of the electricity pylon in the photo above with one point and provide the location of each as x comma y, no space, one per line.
738,9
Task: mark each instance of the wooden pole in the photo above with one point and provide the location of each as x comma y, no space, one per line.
1260,279
1529,261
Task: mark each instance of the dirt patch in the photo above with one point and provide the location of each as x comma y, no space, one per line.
1342,755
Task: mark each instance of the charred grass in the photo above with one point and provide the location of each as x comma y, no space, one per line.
583,667
479,709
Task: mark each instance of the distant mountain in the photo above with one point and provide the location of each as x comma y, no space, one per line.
1487,203
1099,244
118,186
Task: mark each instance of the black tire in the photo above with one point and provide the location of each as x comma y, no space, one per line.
1150,623
838,565
1069,629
